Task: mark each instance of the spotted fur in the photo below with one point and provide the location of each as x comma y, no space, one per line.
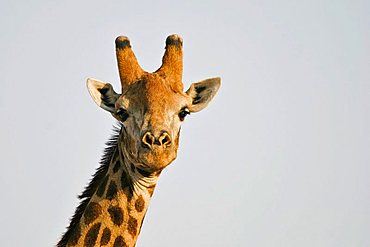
105,237
92,235
92,187
151,108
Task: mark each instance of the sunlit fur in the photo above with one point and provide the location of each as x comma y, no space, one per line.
152,106
115,202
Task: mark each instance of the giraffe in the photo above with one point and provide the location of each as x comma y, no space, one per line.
150,110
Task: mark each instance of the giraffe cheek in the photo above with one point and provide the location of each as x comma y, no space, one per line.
130,146
134,147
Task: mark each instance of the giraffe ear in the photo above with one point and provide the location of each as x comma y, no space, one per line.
202,93
103,94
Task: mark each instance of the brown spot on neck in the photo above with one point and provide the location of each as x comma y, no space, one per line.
105,238
126,185
116,215
92,235
132,226
119,242
92,211
112,190
140,204
101,189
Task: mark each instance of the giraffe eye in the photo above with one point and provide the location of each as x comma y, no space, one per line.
122,114
183,113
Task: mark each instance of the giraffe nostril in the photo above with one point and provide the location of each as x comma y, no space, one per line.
165,139
148,139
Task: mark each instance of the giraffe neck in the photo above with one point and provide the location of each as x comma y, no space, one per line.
114,213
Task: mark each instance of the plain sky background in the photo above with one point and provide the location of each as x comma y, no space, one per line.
281,157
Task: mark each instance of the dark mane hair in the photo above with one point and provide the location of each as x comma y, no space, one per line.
89,191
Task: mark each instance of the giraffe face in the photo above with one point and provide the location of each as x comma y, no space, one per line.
151,113
152,106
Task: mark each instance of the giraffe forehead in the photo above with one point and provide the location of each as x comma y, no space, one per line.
154,94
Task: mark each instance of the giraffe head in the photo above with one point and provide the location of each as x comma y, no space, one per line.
151,106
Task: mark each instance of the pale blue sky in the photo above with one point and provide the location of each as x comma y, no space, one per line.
280,158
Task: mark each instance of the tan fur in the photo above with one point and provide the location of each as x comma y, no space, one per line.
151,109
132,213
171,67
128,67
154,106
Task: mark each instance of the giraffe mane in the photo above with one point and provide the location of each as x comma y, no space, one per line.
90,189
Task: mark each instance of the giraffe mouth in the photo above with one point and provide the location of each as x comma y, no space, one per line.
156,159
151,160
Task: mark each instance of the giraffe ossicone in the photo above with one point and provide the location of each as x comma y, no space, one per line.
150,109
